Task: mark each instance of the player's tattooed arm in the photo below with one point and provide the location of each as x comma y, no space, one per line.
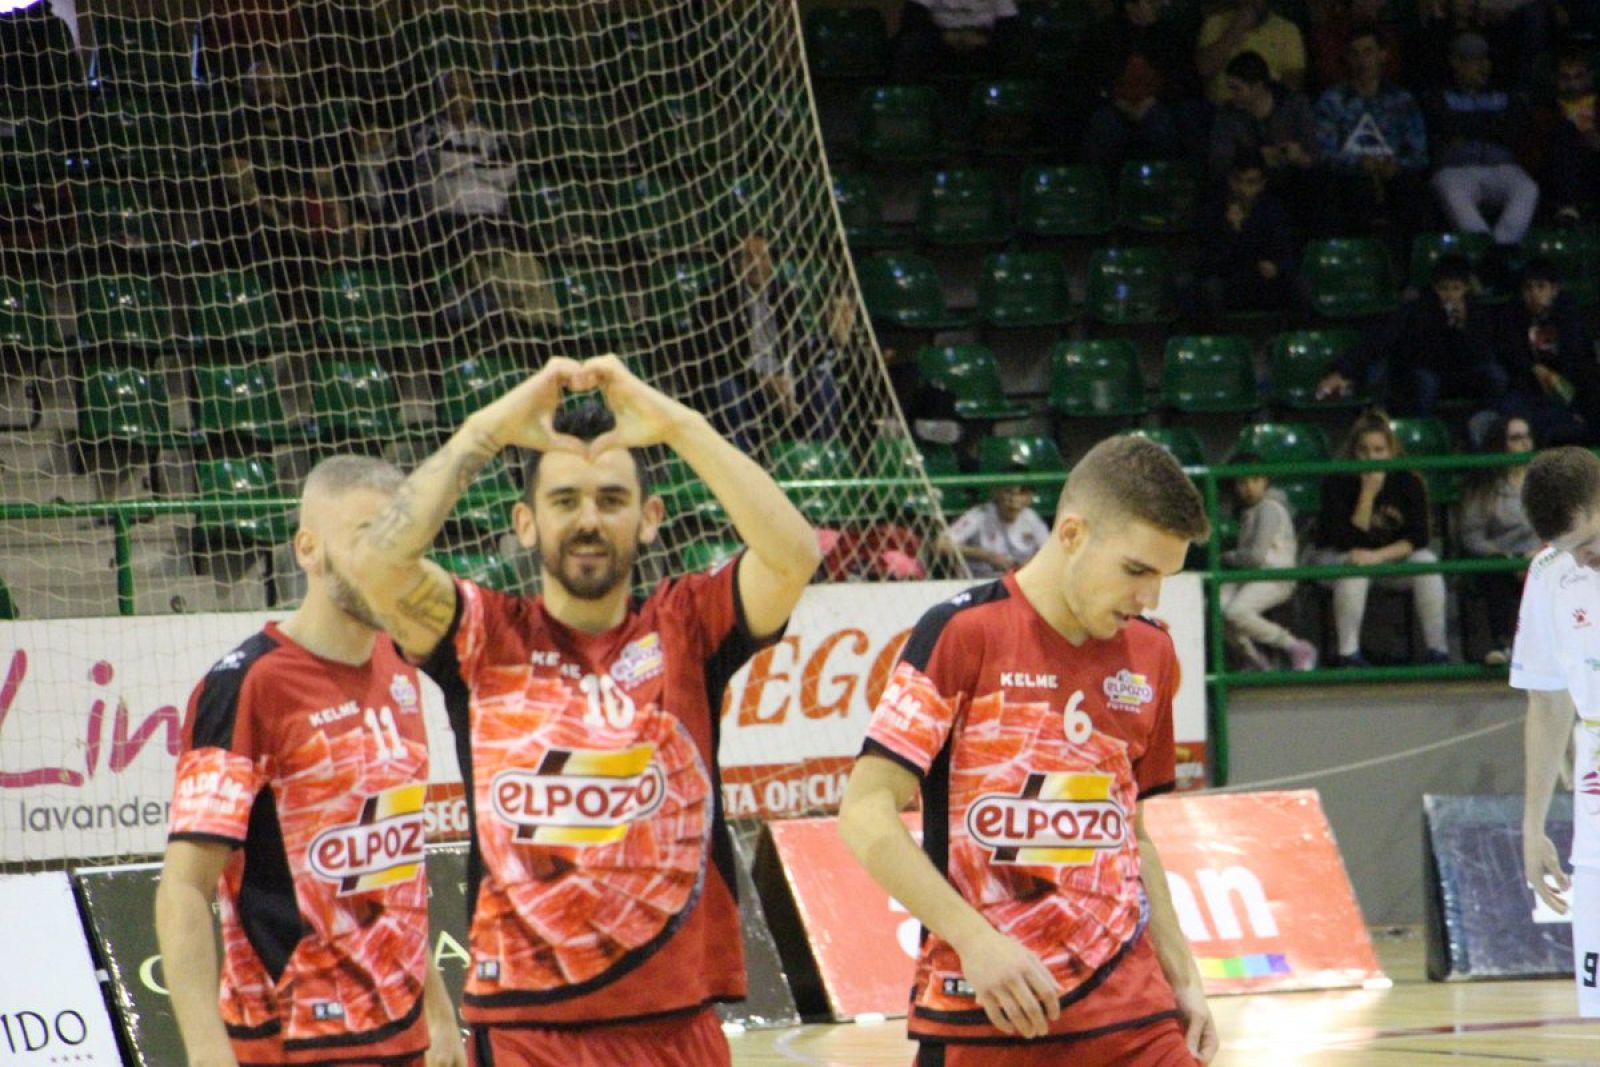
412,520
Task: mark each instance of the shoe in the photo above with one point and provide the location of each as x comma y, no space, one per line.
1496,657
1354,659
1251,659
1434,658
1302,656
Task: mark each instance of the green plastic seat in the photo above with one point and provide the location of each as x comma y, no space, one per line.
469,384
353,399
484,510
1034,453
488,569
682,128
243,400
1289,442
794,461
1006,117
125,405
593,305
675,290
686,495
1129,286
237,310
530,39
1017,289
139,137
556,213
1300,359
707,555
138,53
1430,437
659,214
1575,254
1157,196
752,204
366,309
240,478
861,211
1097,379
897,457
123,312
1426,248
1063,202
971,375
564,124
899,122
1349,277
903,290
118,215
26,321
1182,441
961,207
849,42
1209,374
1051,36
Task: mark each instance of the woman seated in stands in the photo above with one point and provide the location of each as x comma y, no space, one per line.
1493,525
1376,517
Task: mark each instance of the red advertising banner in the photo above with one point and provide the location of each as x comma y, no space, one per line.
1256,879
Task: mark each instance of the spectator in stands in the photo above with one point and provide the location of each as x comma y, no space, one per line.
1546,348
1133,122
997,536
1249,26
1439,346
1266,540
1575,152
1138,55
977,38
1336,24
1377,517
373,181
1274,120
1473,128
1246,248
1372,143
1442,22
1493,525
466,170
1138,28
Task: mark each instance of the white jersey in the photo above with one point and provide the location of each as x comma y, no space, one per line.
1558,647
982,526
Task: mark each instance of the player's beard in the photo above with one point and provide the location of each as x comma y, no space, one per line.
344,595
589,582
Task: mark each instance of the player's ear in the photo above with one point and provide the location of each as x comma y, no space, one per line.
652,514
306,550
522,522
1072,530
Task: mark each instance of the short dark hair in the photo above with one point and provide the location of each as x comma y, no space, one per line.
1540,269
1451,267
585,420
1562,485
1141,480
1249,68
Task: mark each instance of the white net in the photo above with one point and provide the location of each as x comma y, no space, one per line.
240,240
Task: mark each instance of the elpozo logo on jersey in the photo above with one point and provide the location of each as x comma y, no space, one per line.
579,797
1128,691
1059,819
382,847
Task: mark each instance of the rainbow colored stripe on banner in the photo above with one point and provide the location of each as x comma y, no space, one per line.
1256,965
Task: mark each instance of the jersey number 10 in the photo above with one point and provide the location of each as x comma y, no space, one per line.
609,704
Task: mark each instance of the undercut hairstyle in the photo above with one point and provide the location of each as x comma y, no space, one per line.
1136,478
585,420
1249,68
1563,484
337,475
1372,420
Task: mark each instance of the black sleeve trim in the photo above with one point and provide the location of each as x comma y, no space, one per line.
217,708
207,839
875,748
925,635
436,661
1158,790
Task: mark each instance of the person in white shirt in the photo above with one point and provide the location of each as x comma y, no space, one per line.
999,535
1266,539
1554,658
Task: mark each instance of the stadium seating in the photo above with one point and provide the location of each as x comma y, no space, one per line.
484,510
123,313
1575,254
1034,453
469,384
675,292
239,479
803,461
707,555
366,309
961,207
594,306
971,375
1006,118
897,457
232,402
1426,248
899,123
487,569
356,401
1430,437
1212,374
1300,359
1349,277
556,213
1130,286
1157,197
1063,201
1181,441
237,311
1022,289
1096,378
1287,442
902,290
849,42
861,211
26,323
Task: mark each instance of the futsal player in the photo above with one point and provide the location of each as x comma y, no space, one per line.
603,920
1035,715
300,789
1554,658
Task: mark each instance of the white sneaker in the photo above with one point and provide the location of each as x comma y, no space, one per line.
1496,657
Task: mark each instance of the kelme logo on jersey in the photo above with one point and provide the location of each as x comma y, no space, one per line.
579,797
382,847
1061,819
1127,690
638,660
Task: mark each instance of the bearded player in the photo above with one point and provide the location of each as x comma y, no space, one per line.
1035,715
603,923
299,792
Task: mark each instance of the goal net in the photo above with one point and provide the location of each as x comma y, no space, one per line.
235,243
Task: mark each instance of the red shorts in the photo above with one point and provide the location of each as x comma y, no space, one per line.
684,1041
1161,1044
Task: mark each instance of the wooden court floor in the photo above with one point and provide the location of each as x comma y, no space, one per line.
1413,1024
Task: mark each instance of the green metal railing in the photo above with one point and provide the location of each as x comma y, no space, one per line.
1219,680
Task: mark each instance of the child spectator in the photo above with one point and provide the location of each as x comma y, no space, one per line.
1266,539
1494,525
1247,247
1548,353
998,536
1377,517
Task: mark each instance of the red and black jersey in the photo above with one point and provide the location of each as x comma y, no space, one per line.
602,876
1033,754
316,772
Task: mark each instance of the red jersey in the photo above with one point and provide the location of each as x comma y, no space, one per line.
602,879
318,770
1033,754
